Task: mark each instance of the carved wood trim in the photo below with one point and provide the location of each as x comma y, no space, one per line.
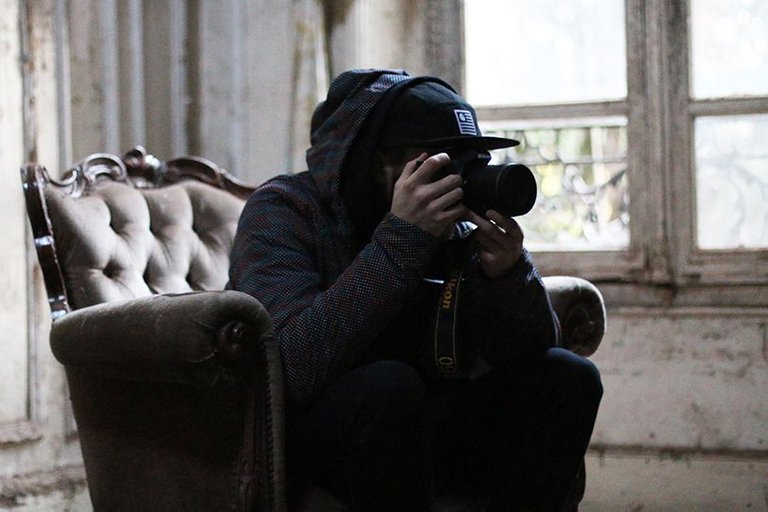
137,169
147,171
206,171
34,179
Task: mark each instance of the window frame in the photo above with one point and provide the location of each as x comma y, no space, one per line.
662,261
692,264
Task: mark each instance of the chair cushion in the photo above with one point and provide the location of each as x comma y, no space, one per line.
118,242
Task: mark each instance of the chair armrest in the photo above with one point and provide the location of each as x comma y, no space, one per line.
186,386
581,310
191,338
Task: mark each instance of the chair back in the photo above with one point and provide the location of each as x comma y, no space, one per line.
119,228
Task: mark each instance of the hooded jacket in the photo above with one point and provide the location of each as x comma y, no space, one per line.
331,298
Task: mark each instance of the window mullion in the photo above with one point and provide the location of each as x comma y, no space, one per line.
646,132
678,142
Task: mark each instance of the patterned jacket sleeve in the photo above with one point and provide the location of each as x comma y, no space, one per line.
510,318
322,329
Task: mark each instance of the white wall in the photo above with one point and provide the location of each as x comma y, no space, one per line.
684,421
40,462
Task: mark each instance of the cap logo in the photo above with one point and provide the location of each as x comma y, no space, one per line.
466,122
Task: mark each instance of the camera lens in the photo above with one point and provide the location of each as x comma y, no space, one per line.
510,189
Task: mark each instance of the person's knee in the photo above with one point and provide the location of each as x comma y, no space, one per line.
576,372
368,402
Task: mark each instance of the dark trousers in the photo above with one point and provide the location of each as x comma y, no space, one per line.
383,438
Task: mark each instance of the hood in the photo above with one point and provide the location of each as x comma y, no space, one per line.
338,121
345,131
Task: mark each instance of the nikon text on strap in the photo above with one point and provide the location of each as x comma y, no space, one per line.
448,361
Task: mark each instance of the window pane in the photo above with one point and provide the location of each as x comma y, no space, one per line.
732,182
544,51
730,47
581,171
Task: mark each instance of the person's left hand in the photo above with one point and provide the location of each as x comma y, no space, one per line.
500,242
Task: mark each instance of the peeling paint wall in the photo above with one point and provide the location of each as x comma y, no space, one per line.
688,380
40,462
682,426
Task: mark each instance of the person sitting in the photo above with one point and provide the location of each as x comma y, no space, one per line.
348,258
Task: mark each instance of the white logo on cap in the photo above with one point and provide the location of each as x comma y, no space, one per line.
466,122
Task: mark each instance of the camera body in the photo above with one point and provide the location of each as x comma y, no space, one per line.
510,189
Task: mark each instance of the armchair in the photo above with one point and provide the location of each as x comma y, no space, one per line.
176,384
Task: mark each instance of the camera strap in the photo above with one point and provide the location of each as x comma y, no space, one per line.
448,359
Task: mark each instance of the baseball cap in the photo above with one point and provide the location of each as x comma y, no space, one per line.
429,114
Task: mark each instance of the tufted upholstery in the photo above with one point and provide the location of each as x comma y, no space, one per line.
119,242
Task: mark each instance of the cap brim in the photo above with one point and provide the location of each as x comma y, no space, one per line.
469,141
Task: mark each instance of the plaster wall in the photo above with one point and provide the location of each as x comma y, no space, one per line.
689,380
682,426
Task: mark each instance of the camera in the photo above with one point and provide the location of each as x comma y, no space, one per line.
510,189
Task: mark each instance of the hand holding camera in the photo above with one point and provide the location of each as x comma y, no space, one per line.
499,240
424,201
434,192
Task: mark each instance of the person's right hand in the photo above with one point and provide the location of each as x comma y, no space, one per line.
431,205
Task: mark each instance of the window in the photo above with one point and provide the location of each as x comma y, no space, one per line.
645,122
731,181
729,60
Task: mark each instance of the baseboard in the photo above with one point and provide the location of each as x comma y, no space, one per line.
619,480
62,488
